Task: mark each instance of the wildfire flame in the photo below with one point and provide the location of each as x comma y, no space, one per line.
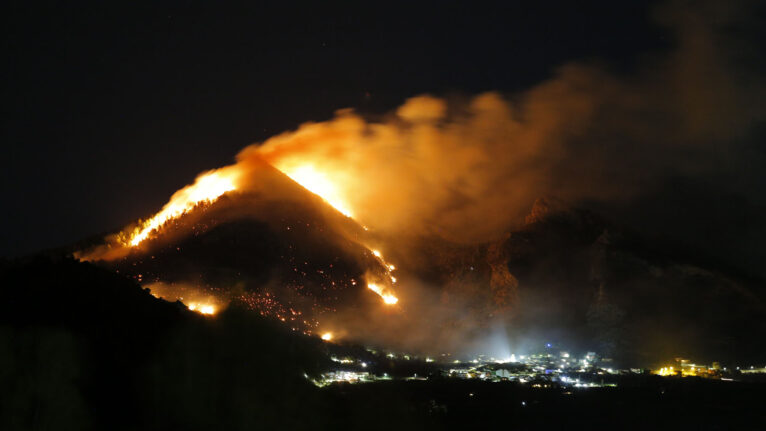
202,309
387,297
318,183
207,188
327,336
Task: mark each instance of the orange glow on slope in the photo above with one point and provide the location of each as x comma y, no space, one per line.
202,309
388,298
207,188
211,185
318,183
328,188
327,336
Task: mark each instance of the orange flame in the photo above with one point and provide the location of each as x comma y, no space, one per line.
207,188
318,183
388,298
202,308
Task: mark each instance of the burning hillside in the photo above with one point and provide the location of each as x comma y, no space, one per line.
256,237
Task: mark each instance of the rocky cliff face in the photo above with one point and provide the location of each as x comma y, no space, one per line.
627,298
503,285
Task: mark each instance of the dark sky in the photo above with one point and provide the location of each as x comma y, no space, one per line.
109,109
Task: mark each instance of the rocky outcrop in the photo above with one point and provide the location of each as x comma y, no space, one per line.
504,286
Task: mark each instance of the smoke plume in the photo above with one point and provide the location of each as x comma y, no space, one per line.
469,170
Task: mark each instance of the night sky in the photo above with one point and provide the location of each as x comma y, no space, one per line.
108,109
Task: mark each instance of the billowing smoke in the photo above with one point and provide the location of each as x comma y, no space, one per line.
469,169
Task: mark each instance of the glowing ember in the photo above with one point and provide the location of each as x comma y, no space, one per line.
327,336
318,183
202,309
207,188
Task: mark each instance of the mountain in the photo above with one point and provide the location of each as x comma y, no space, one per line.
276,248
573,278
565,276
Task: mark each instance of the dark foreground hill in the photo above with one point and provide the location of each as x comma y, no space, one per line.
84,348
